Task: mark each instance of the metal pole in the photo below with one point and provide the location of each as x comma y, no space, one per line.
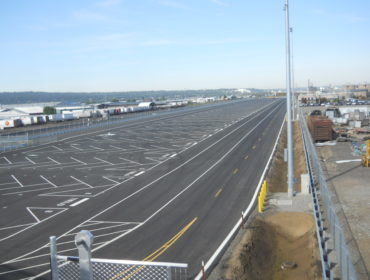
53,259
294,100
289,106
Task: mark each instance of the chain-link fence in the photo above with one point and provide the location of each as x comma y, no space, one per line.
51,132
86,268
47,133
335,227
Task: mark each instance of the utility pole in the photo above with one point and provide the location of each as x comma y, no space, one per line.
294,99
288,103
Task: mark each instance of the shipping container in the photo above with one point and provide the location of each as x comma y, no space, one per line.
56,118
67,116
27,121
7,124
321,128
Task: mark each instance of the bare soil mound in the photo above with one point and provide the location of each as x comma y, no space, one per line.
272,240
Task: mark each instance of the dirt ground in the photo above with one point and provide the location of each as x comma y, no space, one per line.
271,240
277,178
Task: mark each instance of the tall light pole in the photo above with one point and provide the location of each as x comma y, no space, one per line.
294,100
288,103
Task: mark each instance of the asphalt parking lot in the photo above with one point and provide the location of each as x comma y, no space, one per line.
76,169
67,178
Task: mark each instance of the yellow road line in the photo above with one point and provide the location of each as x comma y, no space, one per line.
218,192
155,254
236,170
254,147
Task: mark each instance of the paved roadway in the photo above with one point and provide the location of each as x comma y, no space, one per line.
135,186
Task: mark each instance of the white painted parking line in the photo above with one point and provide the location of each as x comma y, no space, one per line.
33,215
17,226
129,160
82,182
84,163
152,159
102,160
54,160
59,149
138,174
51,183
24,186
97,148
173,155
139,148
8,161
145,139
79,202
15,179
92,139
73,146
109,179
119,148
31,161
9,183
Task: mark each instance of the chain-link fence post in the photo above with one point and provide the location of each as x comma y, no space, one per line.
53,259
83,241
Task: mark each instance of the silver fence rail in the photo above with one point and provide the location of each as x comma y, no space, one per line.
322,193
84,267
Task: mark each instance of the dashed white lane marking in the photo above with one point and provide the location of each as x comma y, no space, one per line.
130,173
137,174
82,182
102,160
173,155
67,201
51,183
84,163
31,161
8,161
79,202
54,160
15,179
109,179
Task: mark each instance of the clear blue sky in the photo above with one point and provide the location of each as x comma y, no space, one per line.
119,45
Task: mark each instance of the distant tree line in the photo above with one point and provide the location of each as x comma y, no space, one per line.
48,110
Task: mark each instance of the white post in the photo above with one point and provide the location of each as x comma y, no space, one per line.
83,241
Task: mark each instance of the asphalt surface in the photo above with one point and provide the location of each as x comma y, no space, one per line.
136,186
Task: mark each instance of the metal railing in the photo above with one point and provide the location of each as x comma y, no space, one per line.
321,192
84,267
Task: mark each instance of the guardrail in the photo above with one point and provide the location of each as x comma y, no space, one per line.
84,267
321,192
